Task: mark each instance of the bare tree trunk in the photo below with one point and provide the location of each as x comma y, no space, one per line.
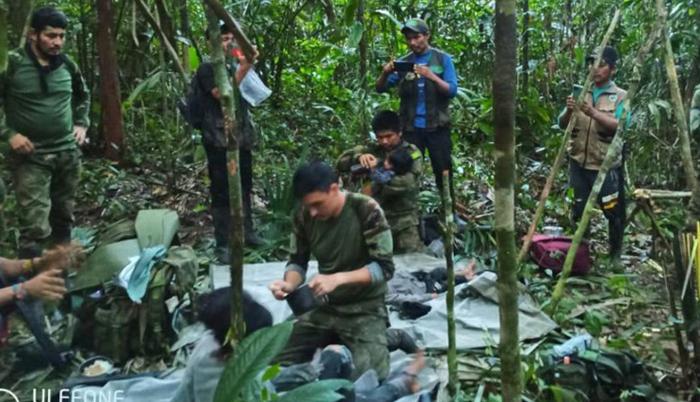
614,150
329,11
363,43
164,39
691,176
186,31
525,59
504,93
559,160
450,300
166,22
223,82
110,97
19,13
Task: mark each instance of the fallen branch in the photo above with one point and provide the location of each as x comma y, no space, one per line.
643,193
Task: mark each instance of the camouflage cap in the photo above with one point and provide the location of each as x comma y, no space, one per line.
416,25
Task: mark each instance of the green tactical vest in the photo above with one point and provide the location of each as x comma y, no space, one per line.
436,104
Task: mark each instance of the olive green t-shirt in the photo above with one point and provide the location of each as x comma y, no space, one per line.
358,237
45,117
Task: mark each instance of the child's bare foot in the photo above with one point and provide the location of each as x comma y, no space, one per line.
411,371
469,272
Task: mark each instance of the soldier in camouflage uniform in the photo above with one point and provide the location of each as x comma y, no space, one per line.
45,105
348,234
399,197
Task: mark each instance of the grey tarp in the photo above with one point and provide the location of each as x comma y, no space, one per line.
476,316
476,307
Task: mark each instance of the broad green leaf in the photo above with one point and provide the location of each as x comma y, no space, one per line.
251,356
560,394
144,85
389,15
319,391
194,59
355,36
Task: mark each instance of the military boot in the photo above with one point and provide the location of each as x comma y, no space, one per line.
222,219
616,230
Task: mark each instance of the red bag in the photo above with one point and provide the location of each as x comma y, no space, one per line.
549,252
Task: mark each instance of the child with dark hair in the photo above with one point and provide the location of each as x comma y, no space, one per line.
398,162
208,359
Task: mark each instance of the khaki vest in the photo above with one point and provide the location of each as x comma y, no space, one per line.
589,141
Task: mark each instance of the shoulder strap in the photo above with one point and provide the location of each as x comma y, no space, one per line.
70,65
13,58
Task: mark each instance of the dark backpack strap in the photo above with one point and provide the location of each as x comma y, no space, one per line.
32,313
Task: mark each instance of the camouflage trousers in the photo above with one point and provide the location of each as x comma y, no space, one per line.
364,334
45,187
404,231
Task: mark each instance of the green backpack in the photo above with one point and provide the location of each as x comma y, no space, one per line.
112,324
596,376
124,329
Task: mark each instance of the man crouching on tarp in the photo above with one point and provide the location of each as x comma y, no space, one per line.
351,239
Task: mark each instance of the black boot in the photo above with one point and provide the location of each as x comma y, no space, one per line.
222,222
251,238
616,230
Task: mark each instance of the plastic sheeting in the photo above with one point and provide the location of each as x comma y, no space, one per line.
476,307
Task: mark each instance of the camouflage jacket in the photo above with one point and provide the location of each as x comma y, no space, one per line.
358,237
399,197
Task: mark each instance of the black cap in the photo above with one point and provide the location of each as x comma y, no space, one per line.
609,56
416,25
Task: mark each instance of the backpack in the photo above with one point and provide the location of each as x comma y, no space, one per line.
110,323
192,105
596,375
549,252
123,329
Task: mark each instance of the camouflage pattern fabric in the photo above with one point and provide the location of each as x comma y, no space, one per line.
405,234
364,334
355,316
45,187
398,198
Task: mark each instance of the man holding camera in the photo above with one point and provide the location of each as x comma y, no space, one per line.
596,123
426,81
399,197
